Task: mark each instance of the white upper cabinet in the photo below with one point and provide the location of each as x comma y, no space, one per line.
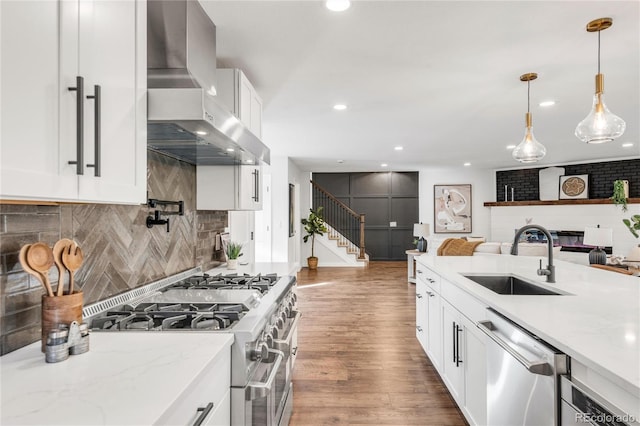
73,91
32,161
236,92
229,187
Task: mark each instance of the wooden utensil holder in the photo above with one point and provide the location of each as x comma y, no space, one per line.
60,310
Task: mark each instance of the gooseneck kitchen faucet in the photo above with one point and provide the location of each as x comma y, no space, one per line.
550,270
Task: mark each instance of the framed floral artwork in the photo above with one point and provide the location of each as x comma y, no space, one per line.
574,187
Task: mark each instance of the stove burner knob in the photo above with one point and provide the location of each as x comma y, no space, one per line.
283,316
280,322
294,297
291,307
286,310
260,351
275,331
268,340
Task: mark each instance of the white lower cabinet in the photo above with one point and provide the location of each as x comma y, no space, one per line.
475,373
454,344
421,314
206,399
434,328
464,365
220,415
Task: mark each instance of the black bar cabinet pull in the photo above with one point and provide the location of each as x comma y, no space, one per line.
204,412
458,360
96,124
79,124
454,341
256,182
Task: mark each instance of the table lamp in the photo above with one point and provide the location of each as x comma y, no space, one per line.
598,237
420,231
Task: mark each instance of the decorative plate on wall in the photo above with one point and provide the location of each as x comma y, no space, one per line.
574,187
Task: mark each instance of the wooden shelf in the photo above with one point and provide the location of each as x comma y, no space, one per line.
556,202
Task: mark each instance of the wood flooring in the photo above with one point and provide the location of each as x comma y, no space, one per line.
359,362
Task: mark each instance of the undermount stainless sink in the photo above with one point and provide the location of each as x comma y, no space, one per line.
510,284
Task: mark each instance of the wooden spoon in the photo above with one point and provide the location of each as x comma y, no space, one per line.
28,269
40,258
72,259
58,248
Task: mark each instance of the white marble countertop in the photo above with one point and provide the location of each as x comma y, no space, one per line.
280,268
125,379
598,324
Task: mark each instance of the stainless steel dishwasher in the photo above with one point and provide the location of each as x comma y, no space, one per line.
522,375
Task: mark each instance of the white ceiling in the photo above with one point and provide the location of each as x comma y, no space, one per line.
440,78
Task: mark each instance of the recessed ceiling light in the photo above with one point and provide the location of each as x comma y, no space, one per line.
547,103
340,107
627,145
466,164
230,150
338,5
383,165
201,133
510,146
340,161
398,148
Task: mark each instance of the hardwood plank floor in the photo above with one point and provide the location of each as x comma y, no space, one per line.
359,362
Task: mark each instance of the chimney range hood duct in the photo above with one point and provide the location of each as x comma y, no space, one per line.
184,118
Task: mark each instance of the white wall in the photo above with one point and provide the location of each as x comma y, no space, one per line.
504,220
283,172
263,220
482,189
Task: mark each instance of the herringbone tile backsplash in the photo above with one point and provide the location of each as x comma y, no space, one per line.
120,252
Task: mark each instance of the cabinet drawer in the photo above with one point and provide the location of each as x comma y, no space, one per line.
471,307
221,414
429,277
210,386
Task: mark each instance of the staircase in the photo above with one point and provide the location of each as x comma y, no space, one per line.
344,242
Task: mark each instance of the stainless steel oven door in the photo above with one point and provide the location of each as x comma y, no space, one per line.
265,396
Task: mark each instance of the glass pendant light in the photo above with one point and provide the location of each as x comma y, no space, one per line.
529,150
600,125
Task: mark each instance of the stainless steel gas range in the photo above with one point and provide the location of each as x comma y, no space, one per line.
259,310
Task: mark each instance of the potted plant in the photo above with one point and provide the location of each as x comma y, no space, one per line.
313,224
620,193
633,224
233,252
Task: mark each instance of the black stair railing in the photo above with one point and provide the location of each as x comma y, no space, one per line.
340,217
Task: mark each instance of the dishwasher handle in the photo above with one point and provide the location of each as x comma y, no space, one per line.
536,367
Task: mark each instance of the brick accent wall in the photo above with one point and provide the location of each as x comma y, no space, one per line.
120,252
601,177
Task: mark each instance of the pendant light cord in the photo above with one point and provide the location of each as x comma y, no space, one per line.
598,52
528,96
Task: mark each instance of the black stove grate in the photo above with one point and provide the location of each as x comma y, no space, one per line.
171,316
262,283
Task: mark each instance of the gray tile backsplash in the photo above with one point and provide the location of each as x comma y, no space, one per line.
120,252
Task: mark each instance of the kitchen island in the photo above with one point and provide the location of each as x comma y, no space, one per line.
129,378
597,324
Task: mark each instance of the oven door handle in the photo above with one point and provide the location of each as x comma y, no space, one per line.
261,389
285,344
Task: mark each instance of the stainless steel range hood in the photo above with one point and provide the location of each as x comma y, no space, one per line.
184,118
